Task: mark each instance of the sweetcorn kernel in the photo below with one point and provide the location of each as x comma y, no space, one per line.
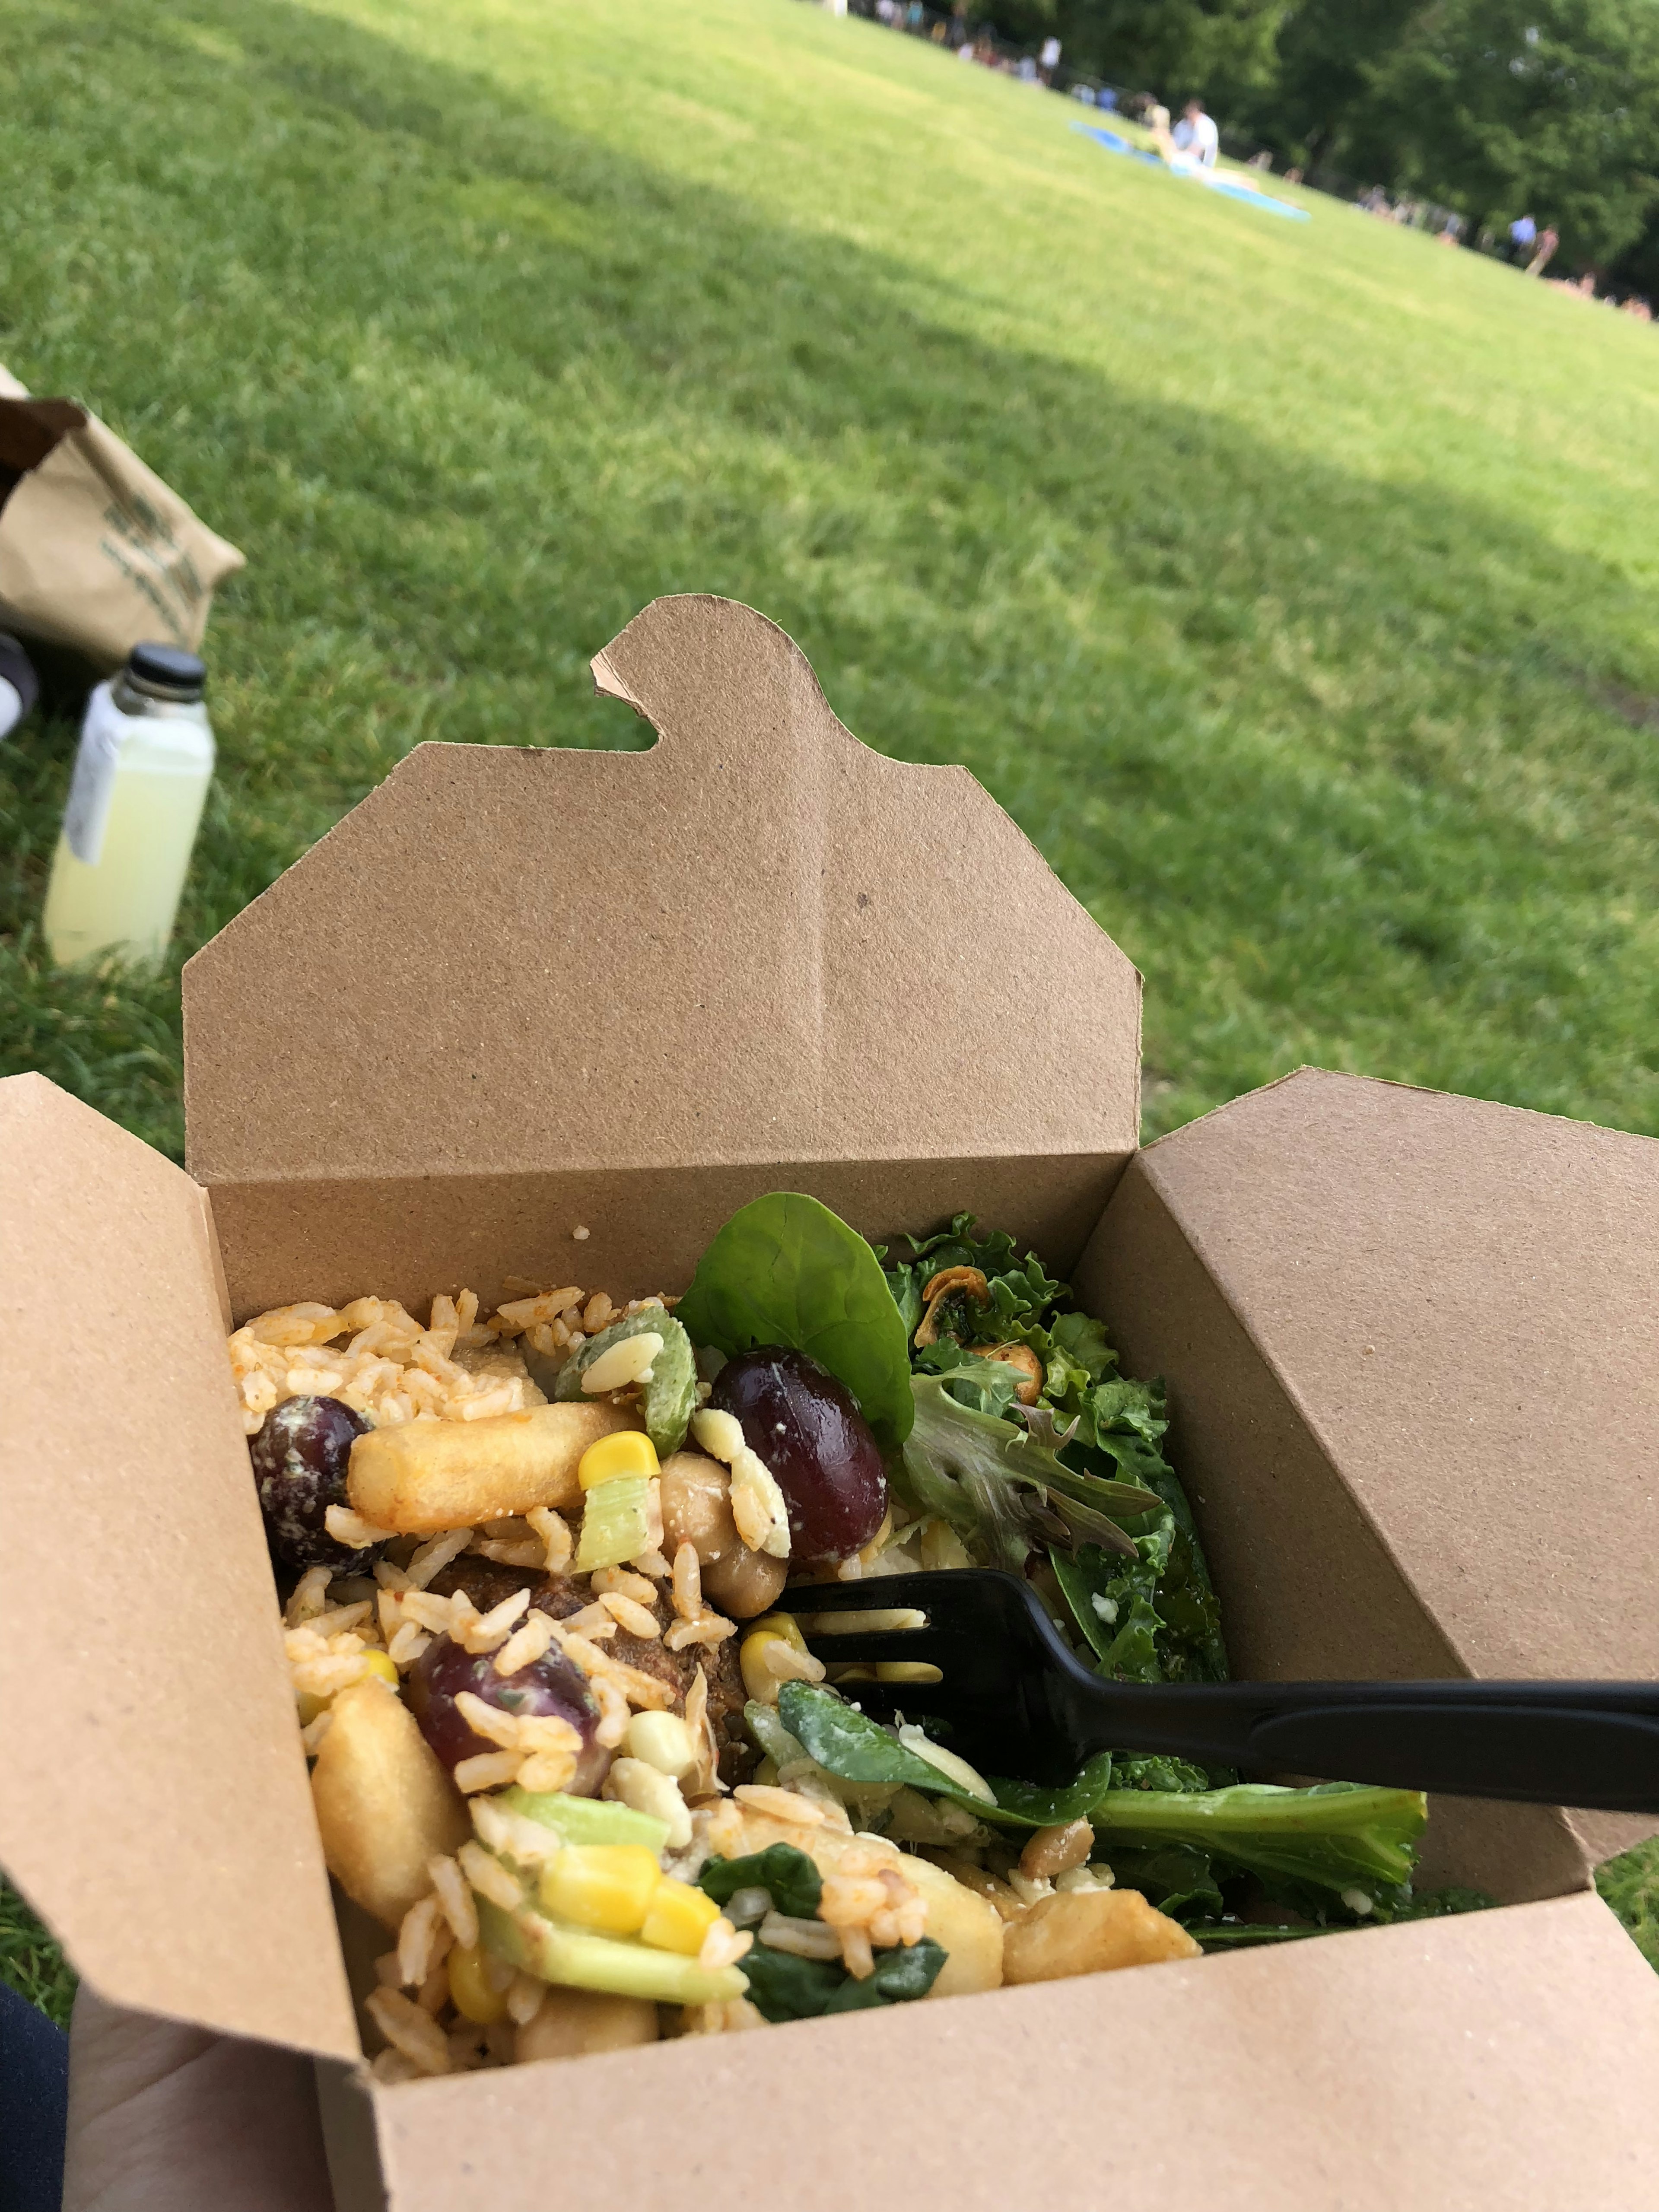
662,1741
475,1995
758,1678
607,1887
625,1451
680,1916
377,1662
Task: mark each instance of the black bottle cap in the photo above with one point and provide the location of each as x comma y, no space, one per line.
166,669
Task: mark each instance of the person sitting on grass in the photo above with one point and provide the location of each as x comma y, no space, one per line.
1195,137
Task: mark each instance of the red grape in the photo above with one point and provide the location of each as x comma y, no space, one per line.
804,1424
548,1685
300,1454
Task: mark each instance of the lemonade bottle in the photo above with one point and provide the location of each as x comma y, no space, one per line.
140,777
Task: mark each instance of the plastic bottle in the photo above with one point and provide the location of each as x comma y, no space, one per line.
141,778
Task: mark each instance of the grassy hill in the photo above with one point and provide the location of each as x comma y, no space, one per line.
1293,584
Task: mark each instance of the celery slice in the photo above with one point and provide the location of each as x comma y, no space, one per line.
616,1525
587,1819
584,1961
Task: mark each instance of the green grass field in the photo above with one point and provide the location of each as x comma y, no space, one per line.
1292,584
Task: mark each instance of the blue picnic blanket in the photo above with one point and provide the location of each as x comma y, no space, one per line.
1215,180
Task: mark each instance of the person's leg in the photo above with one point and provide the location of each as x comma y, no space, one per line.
33,2107
165,2118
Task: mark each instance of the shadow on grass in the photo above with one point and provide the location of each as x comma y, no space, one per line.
473,387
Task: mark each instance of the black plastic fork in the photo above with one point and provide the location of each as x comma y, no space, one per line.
1014,1698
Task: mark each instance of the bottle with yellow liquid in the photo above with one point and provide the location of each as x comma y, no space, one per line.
141,778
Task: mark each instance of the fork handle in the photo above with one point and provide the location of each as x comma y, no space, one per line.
1593,1745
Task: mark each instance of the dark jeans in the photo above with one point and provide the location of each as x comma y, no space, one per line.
33,2107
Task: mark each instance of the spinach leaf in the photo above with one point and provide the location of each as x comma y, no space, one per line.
786,1270
901,1975
783,1987
1052,1808
1177,1878
858,1749
1235,1935
788,1876
667,1400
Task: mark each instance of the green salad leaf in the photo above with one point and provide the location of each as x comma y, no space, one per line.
1005,1492
1333,1841
855,1748
789,1877
1018,1291
786,1270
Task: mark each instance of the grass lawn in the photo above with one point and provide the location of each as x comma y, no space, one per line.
1292,584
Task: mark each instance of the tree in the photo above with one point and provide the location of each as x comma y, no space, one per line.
1502,106
1224,49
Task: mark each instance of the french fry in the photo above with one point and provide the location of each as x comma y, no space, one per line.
423,1476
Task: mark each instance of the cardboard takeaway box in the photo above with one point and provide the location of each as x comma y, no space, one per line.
1409,1339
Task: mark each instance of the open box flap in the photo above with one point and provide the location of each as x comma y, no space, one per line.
1459,1302
1496,2063
154,1808
757,941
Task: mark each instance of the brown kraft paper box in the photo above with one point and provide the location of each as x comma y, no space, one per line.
96,553
1408,1339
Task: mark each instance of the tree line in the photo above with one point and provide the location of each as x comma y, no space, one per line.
1496,109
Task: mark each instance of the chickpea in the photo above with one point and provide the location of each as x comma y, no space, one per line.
744,1584
1055,1850
697,1507
572,2021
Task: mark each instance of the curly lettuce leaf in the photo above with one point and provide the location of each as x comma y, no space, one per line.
1004,1493
786,1270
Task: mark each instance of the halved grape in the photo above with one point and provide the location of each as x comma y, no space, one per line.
804,1424
551,1684
300,1454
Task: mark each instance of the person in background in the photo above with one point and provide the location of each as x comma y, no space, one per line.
1549,240
1523,236
1048,59
1195,136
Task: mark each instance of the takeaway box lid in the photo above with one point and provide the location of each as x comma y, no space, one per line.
756,945
1416,1333
156,1807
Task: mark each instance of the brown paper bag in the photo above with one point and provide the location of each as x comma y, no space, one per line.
96,552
